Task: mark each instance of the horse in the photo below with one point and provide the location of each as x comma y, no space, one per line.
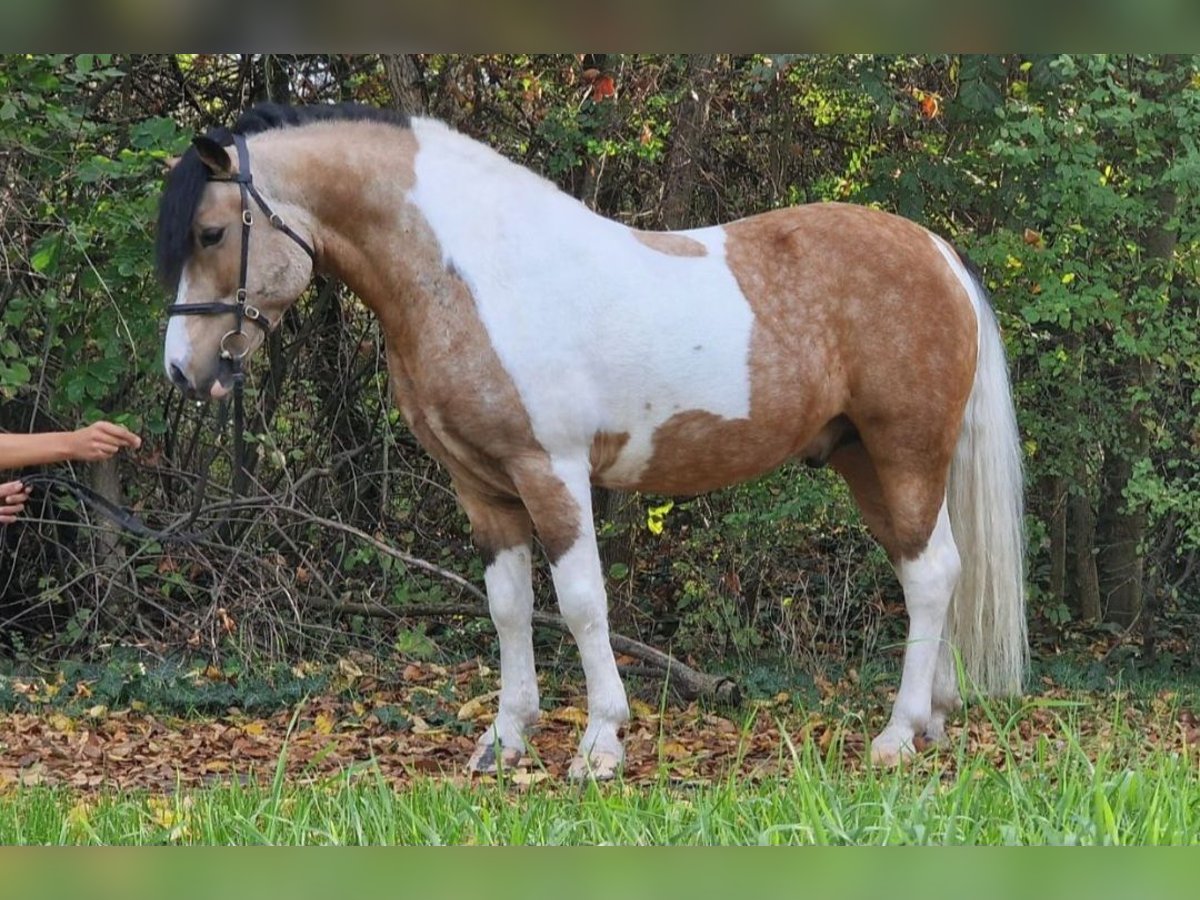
536,348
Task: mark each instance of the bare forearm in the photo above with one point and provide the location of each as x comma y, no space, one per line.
94,442
19,450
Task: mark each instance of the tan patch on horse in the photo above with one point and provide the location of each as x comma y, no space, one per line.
858,316
551,506
436,342
495,526
671,243
606,447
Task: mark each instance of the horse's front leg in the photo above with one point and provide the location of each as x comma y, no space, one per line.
503,534
560,502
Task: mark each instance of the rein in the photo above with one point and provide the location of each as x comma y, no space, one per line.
119,516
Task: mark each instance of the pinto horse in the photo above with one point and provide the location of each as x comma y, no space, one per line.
536,349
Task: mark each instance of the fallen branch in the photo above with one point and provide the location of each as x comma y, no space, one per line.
689,683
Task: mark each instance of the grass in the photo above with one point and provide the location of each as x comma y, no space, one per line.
1082,760
1069,789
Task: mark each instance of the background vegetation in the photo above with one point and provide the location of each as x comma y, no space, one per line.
1071,181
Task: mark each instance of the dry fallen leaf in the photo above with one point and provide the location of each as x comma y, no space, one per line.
476,706
675,750
572,715
526,777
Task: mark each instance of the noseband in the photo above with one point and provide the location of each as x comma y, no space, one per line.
243,311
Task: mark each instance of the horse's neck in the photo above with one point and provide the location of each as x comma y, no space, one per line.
391,202
460,181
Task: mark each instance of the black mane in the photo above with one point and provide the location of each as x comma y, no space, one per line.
185,182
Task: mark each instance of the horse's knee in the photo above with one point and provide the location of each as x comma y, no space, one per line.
579,585
508,579
582,603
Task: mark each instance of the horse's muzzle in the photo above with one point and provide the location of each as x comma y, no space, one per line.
212,388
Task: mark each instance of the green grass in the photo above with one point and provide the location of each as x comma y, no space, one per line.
1100,763
1052,795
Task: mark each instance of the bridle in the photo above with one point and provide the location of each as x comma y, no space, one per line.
241,309
234,343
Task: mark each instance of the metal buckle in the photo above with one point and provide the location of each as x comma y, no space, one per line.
227,353
247,218
276,221
241,296
252,313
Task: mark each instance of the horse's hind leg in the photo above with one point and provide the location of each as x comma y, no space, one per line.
559,500
946,698
904,505
503,534
928,580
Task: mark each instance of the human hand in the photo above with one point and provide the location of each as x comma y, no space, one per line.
101,440
13,495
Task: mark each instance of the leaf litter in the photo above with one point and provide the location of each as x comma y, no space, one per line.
422,721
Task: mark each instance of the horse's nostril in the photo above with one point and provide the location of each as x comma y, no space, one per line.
177,377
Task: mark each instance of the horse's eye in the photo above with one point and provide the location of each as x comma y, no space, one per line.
210,237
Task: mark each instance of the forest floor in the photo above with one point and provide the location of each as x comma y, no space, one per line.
419,720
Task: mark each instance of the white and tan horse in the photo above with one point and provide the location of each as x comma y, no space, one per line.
536,349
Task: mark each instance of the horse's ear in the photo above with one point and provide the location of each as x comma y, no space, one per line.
213,155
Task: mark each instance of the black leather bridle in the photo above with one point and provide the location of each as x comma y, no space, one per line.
241,309
234,343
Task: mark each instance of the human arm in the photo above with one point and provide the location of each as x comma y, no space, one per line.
94,442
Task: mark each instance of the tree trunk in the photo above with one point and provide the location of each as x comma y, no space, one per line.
1056,490
406,82
110,556
690,121
1122,525
1120,530
1083,525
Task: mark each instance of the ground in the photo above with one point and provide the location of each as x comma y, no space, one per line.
420,720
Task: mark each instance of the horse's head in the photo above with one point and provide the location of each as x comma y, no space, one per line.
236,256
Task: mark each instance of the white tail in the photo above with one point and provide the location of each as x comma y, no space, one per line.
986,622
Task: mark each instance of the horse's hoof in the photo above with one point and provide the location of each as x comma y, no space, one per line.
595,766
485,762
935,735
890,755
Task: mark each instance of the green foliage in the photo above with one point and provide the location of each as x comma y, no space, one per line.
750,570
89,289
177,687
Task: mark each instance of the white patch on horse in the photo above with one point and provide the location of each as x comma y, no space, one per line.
639,335
177,348
579,585
510,599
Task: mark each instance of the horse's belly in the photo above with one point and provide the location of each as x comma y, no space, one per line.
690,453
698,447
